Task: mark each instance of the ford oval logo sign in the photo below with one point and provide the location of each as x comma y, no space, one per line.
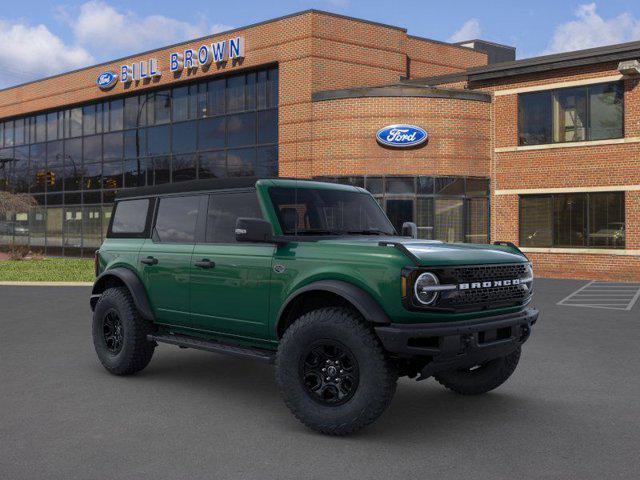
106,80
401,136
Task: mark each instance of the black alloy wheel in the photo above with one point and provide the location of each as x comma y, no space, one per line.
329,373
112,332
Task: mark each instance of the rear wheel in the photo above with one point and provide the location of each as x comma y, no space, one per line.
480,378
120,333
332,372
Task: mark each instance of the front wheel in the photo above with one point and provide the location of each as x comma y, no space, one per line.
120,333
482,378
333,373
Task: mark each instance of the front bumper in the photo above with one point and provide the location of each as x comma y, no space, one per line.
448,346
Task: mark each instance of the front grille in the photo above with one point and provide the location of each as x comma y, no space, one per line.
471,299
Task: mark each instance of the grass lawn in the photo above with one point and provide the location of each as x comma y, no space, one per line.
47,270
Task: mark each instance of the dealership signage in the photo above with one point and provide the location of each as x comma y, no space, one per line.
401,136
189,59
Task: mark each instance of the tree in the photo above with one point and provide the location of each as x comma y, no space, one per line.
15,202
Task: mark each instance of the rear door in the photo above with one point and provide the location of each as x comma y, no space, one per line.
165,259
230,280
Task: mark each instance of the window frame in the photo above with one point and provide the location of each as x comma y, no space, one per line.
552,92
147,227
201,238
587,223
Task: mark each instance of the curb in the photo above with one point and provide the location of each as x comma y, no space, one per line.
47,284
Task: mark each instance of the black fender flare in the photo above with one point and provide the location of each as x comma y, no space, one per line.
370,310
133,284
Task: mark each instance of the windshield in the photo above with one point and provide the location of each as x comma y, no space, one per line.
311,211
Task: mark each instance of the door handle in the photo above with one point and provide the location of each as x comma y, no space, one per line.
149,261
205,263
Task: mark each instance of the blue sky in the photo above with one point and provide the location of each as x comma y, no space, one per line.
67,34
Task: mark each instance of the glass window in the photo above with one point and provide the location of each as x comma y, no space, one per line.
241,130
37,168
201,100
570,115
606,111
184,167
19,132
41,128
92,226
21,169
162,106
267,161
211,133
449,216
75,122
183,137
273,88
101,111
92,149
112,146
595,220
424,217
536,221
89,124
72,229
592,112
116,115
135,143
311,211
235,93
112,175
8,134
176,220
268,126
92,176
161,170
215,97
212,165
425,185
374,185
135,172
73,164
130,115
570,220
224,210
250,91
261,89
55,167
400,185
158,140
477,187
399,211
180,104
477,221
606,220
241,163
450,186
130,216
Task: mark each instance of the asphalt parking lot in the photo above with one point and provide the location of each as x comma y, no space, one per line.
571,410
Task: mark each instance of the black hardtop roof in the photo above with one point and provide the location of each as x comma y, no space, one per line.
203,185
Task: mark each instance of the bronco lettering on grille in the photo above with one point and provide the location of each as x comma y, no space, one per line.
488,284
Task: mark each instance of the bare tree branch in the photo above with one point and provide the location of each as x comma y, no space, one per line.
16,202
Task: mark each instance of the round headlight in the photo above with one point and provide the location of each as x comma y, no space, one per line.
421,289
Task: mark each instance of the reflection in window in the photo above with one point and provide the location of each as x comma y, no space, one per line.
241,130
595,220
211,133
477,225
223,212
449,215
183,137
184,167
212,165
176,221
241,163
158,140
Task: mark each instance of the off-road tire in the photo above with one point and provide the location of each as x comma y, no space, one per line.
377,376
481,380
136,351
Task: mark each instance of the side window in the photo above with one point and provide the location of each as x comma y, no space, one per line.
130,217
224,210
176,219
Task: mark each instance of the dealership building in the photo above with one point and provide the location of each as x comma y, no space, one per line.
542,152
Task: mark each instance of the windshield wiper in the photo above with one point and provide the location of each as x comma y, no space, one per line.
369,231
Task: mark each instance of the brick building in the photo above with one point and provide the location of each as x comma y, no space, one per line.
540,152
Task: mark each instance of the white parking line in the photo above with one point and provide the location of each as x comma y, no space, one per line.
612,296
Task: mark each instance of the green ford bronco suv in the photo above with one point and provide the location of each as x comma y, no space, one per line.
314,278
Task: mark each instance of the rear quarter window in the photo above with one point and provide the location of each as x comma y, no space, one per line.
130,218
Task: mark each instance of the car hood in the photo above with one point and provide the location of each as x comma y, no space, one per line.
435,253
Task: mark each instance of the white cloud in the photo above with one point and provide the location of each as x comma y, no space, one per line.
469,31
29,52
107,31
589,29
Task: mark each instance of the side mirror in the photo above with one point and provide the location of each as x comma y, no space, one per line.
253,230
409,229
